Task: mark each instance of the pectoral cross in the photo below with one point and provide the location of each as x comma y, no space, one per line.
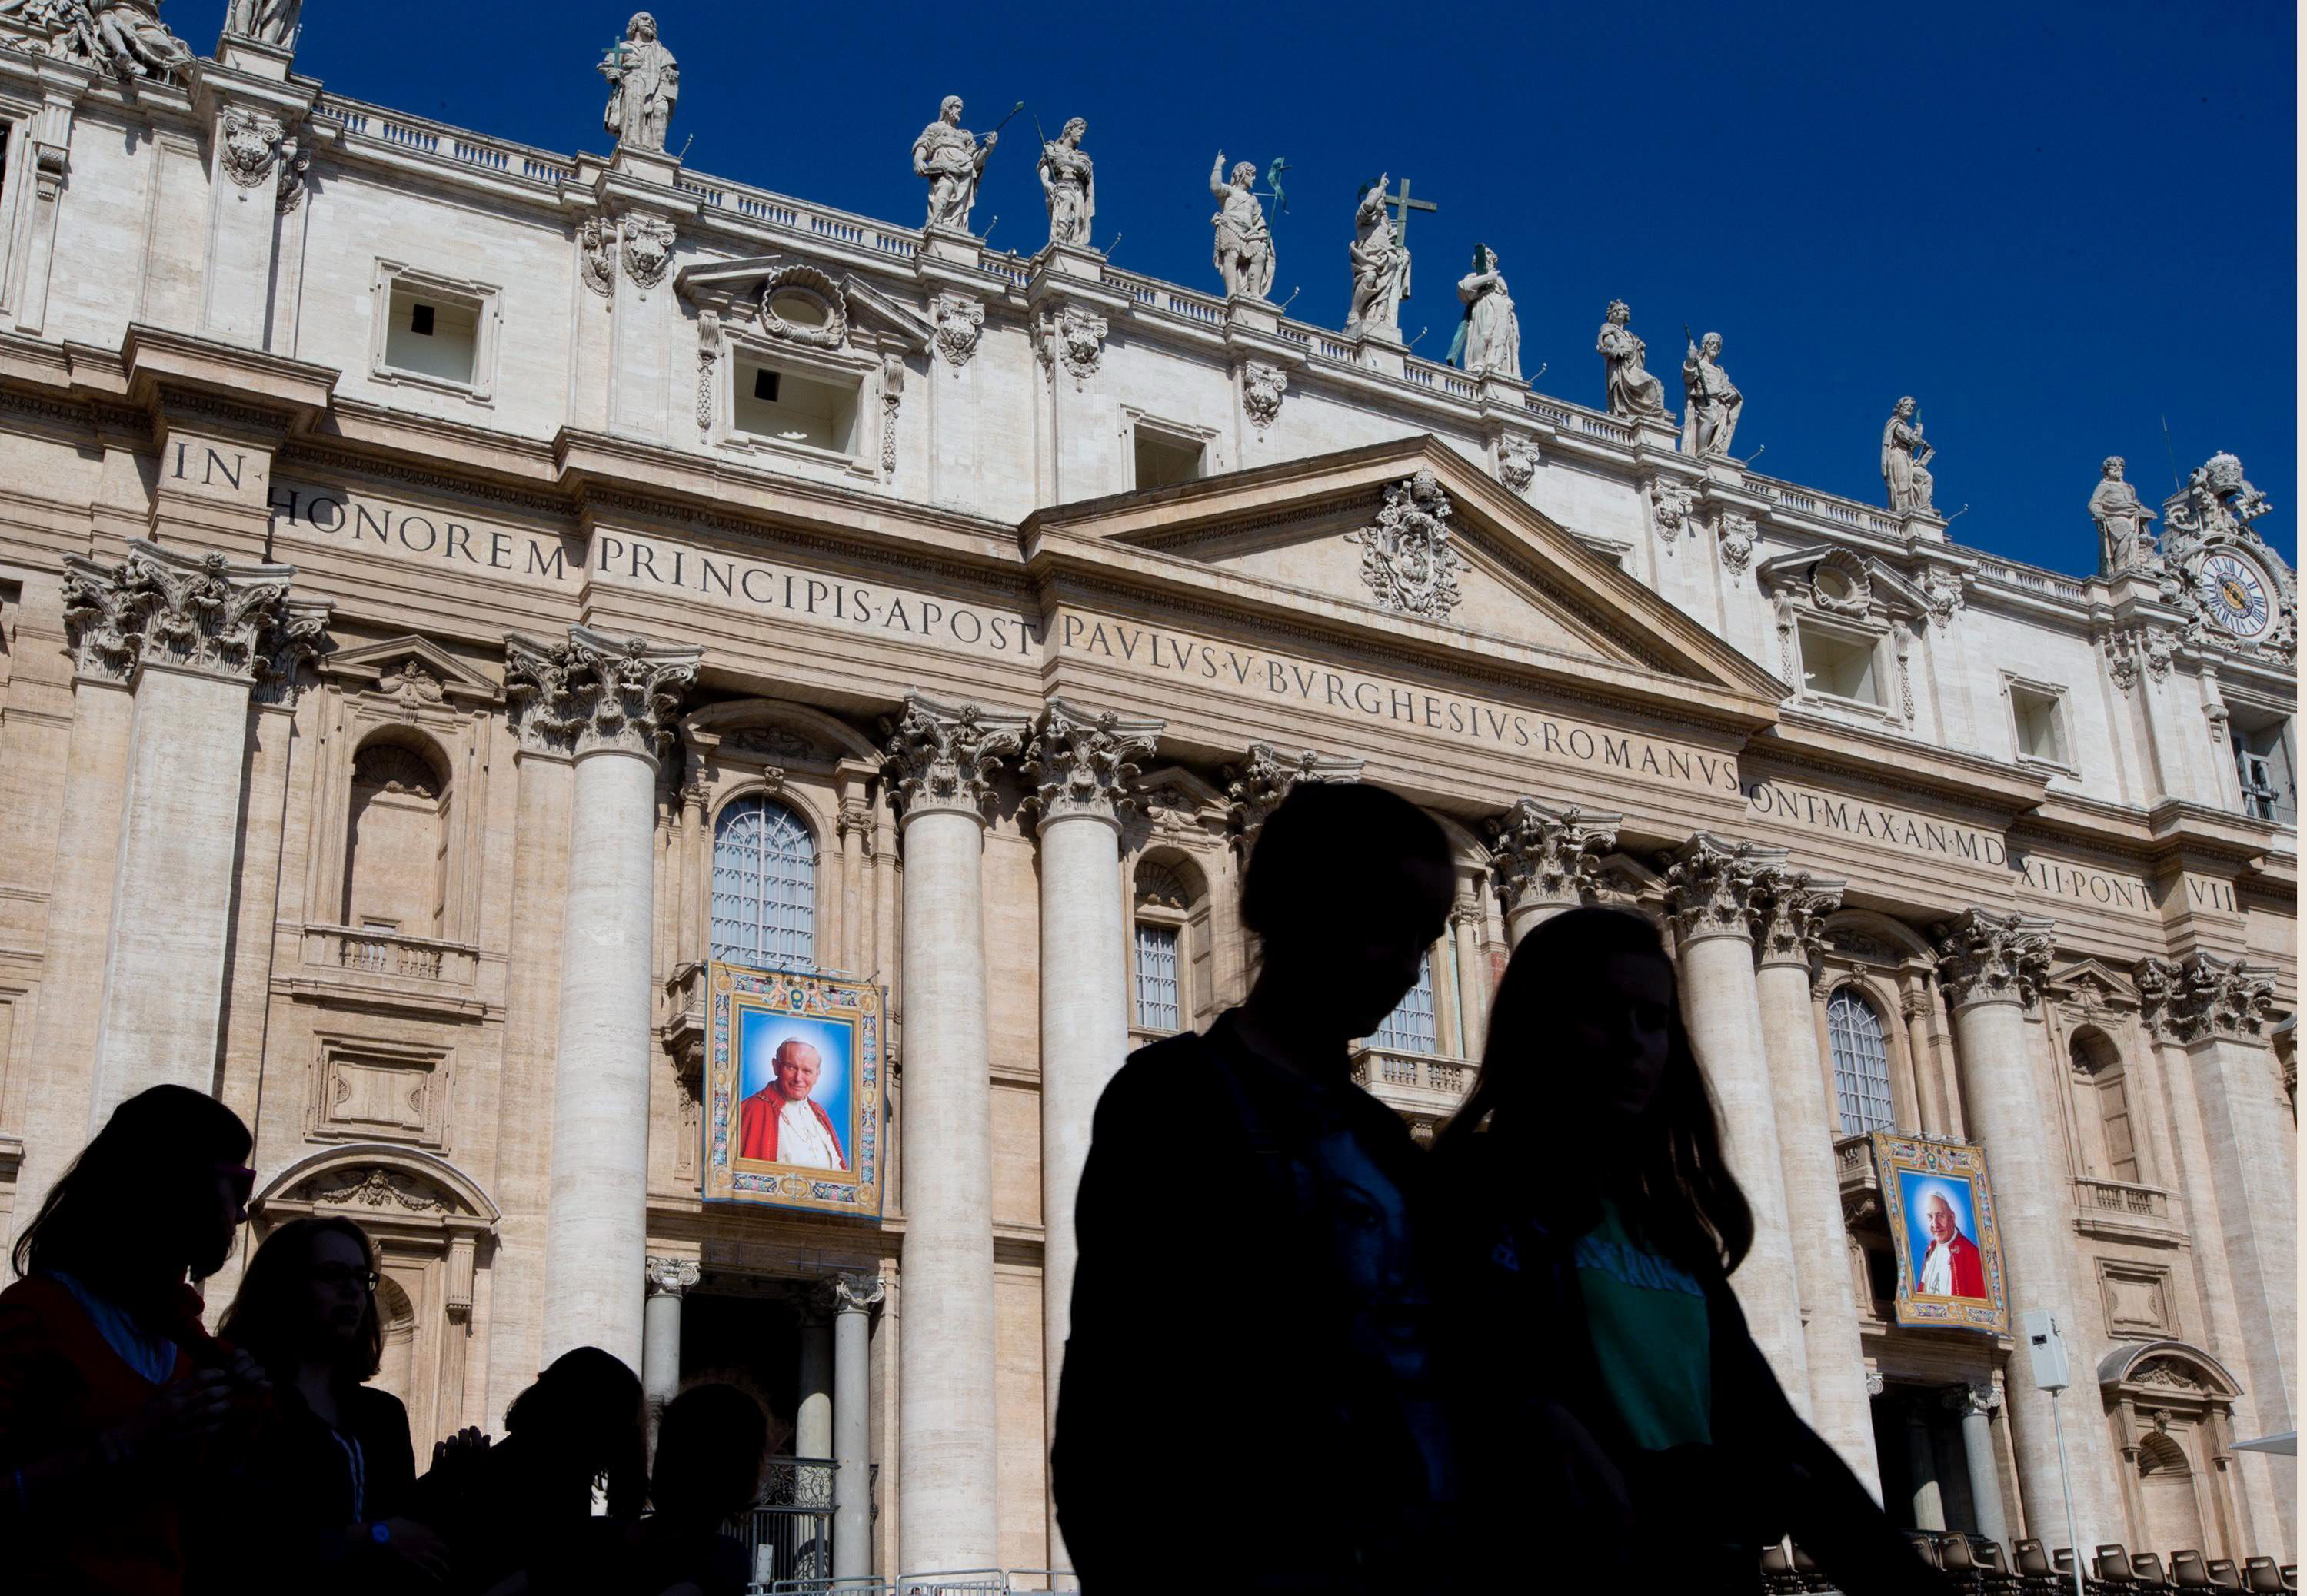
1402,205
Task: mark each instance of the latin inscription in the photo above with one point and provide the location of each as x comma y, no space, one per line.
2073,883
423,535
1885,825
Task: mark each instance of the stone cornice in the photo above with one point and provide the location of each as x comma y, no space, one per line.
251,387
1901,762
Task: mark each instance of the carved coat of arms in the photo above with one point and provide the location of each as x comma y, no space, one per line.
1407,558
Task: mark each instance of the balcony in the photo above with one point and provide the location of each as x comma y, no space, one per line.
370,965
1424,1088
2123,1211
1856,1180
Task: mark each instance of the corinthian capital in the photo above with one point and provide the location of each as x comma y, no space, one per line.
2203,996
1084,763
942,758
1712,886
196,612
1543,857
595,692
1258,784
1790,909
1987,958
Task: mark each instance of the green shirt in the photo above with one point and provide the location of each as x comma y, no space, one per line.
1647,1318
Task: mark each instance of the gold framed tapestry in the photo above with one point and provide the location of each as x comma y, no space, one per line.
793,1092
1940,1205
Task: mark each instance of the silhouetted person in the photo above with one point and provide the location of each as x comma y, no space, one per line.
1598,1225
115,1403
526,1504
1246,1223
711,1440
330,1472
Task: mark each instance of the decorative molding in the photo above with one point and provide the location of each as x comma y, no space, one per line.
1671,501
893,396
373,1186
1262,388
1541,856
595,693
2204,996
1734,538
201,613
1790,910
648,248
1712,887
596,255
805,282
1408,562
944,758
1257,786
669,1277
247,144
855,1293
1085,763
1518,459
1072,337
960,321
1984,957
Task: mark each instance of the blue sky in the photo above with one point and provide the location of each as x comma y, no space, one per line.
2055,225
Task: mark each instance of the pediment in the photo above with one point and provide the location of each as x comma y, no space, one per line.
1422,542
739,290
412,666
1842,583
2092,983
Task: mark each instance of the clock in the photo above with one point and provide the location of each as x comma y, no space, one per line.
2234,592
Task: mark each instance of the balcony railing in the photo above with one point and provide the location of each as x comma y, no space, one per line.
2126,1199
788,1531
366,950
1425,1089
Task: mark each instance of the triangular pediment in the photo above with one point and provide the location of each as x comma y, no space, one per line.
740,287
1358,530
411,665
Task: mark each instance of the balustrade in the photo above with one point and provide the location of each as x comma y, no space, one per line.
364,950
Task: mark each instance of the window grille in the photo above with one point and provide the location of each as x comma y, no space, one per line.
764,887
1410,1029
1862,1068
1157,978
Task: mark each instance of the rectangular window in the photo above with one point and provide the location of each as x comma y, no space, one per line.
2265,774
1157,978
1410,1029
795,407
1842,667
431,336
2036,718
1164,460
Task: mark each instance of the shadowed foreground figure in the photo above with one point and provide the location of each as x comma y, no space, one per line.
1596,1226
1247,1219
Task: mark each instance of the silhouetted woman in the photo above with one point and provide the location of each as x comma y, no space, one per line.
331,1469
1248,1222
526,1504
1602,1224
710,1443
112,1399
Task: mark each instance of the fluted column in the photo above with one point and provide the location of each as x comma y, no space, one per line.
942,765
1711,891
1992,966
1544,860
665,1281
1790,909
853,1298
610,702
1975,1405
193,634
1082,765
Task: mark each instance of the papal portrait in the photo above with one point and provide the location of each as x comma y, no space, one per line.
793,1092
1940,1206
1947,1259
795,1110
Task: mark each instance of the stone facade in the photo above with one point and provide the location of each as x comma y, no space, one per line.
412,545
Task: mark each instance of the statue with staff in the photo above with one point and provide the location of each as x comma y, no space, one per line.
1712,417
1380,269
953,160
645,80
1243,248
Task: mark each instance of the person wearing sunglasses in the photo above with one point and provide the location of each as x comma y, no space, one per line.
115,1406
332,1468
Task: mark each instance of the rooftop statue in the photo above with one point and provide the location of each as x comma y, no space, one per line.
645,80
125,37
2124,540
951,157
1489,336
1380,269
1068,185
1243,252
1633,392
266,21
1906,461
1712,415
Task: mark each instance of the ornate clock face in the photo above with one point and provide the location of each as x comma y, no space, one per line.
2233,593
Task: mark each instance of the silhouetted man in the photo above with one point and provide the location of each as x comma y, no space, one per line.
1258,1271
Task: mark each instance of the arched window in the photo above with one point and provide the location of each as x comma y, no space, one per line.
1410,1029
1169,946
2103,1108
1862,1066
396,842
764,886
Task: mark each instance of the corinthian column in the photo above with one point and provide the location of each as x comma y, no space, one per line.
1257,785
609,702
1992,966
1082,765
1544,860
1711,888
1790,909
193,634
940,768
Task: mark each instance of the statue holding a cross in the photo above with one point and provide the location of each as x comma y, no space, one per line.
1380,266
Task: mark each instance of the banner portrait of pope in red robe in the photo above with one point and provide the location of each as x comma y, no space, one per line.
1950,1266
783,1123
